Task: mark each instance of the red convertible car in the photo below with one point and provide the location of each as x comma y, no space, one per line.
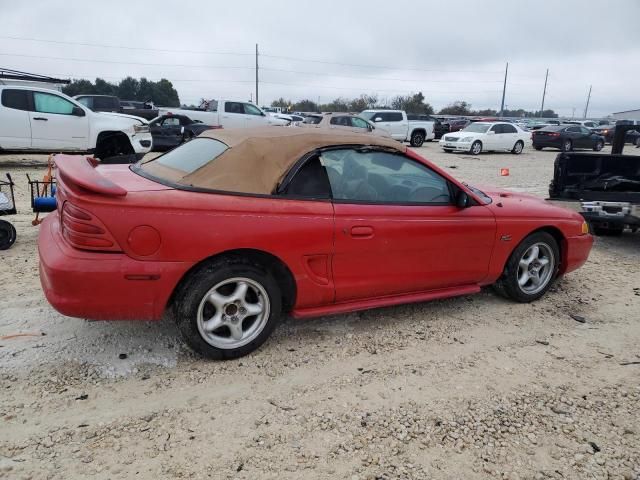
234,228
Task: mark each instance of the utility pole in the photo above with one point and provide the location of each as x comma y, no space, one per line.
504,89
257,102
544,92
586,108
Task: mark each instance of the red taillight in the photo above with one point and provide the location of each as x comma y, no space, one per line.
85,231
554,134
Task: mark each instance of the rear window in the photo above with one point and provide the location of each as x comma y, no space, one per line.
190,156
18,99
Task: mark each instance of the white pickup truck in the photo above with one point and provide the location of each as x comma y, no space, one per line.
38,119
396,123
227,114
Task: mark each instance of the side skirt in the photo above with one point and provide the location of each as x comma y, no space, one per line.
367,304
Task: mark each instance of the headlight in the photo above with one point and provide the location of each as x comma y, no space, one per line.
141,128
467,139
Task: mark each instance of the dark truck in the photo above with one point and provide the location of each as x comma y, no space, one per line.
607,185
110,103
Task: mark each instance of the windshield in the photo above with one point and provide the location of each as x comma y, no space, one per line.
185,159
477,127
367,115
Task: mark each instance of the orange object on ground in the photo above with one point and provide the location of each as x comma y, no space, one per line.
504,172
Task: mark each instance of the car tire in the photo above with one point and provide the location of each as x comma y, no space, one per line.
237,332
518,281
7,235
476,148
417,139
518,147
598,146
608,231
187,137
567,146
538,148
637,142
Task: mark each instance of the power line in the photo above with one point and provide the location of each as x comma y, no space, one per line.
62,42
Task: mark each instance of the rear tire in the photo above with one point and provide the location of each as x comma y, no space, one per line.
237,331
417,139
518,147
538,148
531,268
7,235
567,145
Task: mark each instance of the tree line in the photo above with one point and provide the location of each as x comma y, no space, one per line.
413,103
161,92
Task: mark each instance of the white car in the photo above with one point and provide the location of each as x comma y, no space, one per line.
38,119
485,137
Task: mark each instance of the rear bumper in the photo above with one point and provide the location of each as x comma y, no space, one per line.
577,252
547,143
102,286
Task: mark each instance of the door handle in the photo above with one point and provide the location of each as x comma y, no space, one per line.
362,232
40,118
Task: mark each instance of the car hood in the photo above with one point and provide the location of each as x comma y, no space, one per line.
506,203
123,115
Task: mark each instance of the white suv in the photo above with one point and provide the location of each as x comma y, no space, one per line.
37,119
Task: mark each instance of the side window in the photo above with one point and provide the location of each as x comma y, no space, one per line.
171,122
252,110
585,131
310,181
48,103
105,102
341,121
233,107
18,99
394,117
506,128
573,129
87,102
382,177
359,123
496,128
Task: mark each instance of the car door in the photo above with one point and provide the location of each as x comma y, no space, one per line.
54,126
508,137
587,140
491,140
396,227
254,116
15,127
233,115
171,131
393,123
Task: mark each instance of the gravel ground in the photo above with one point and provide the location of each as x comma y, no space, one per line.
471,387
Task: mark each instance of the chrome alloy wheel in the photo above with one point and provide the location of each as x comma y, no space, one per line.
233,313
536,268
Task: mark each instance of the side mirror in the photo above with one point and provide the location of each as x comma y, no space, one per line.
462,199
78,112
377,119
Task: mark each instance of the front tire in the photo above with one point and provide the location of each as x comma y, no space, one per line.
567,145
531,268
598,146
7,235
518,147
417,139
227,308
476,148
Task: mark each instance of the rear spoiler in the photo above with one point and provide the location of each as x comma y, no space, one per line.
80,170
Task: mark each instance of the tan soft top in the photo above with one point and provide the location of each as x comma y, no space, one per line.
258,158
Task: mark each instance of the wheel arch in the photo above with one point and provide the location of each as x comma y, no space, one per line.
557,235
271,262
109,134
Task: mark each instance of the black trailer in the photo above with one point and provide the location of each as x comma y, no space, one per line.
7,207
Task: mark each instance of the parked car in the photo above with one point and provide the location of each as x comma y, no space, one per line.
566,138
584,123
485,137
169,131
439,128
457,124
396,123
38,119
230,230
344,121
608,132
228,114
109,103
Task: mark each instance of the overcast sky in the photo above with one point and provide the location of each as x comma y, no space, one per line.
326,49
